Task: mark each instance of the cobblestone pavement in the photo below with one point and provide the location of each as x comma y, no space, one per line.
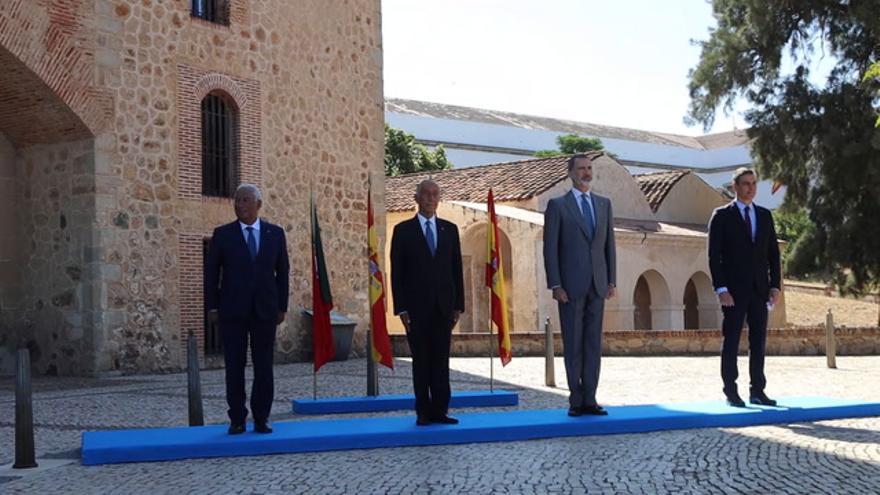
823,457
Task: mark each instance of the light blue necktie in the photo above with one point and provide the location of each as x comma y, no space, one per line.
251,242
587,210
429,236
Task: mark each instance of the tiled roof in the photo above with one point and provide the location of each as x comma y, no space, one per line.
655,186
455,112
511,181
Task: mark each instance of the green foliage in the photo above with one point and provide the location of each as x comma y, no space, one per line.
570,144
791,226
403,155
818,140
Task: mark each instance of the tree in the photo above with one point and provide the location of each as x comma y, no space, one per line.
791,226
873,75
403,155
818,140
570,144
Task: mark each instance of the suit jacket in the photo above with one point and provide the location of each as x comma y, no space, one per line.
421,283
573,260
734,260
240,287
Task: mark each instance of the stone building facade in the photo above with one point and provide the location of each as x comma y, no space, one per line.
103,209
661,219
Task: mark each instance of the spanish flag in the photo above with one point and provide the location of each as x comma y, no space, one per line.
495,281
381,345
322,300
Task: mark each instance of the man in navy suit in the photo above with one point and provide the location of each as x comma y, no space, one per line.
428,288
744,261
246,291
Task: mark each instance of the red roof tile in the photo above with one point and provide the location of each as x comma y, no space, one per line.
511,181
656,186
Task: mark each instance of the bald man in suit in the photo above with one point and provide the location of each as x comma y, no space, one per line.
428,288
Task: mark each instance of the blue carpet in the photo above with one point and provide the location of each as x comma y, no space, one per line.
162,444
344,405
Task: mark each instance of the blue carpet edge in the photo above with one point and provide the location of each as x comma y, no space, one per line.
248,444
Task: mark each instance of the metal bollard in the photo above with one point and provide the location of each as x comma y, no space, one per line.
830,341
24,413
549,369
194,384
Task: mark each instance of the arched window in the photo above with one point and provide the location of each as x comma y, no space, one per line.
219,146
216,11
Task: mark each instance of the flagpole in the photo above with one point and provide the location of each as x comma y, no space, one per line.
491,349
314,309
372,368
372,375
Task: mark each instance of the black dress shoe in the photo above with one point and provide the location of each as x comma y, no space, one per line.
445,420
575,412
761,399
596,410
734,400
262,427
422,421
236,428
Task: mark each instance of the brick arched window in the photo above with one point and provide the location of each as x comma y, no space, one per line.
219,145
216,11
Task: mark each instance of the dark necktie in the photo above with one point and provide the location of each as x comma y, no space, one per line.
748,220
251,242
587,210
429,236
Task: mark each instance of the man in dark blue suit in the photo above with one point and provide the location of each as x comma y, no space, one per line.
744,261
428,288
246,291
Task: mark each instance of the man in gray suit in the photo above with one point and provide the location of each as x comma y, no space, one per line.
580,262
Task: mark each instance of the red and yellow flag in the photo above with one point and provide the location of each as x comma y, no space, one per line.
322,300
495,281
776,185
381,345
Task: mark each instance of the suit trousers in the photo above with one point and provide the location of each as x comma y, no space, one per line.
581,321
261,334
429,339
752,308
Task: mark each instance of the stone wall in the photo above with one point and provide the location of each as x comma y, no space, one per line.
804,341
53,211
306,78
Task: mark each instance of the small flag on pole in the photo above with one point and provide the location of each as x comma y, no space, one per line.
776,185
495,281
381,345
322,300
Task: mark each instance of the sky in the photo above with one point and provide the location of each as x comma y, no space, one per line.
621,63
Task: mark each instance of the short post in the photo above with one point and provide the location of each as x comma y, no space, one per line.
194,384
830,341
372,371
24,412
549,369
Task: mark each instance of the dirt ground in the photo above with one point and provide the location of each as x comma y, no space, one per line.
810,310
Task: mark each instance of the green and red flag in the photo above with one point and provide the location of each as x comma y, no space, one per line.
381,344
495,282
322,300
